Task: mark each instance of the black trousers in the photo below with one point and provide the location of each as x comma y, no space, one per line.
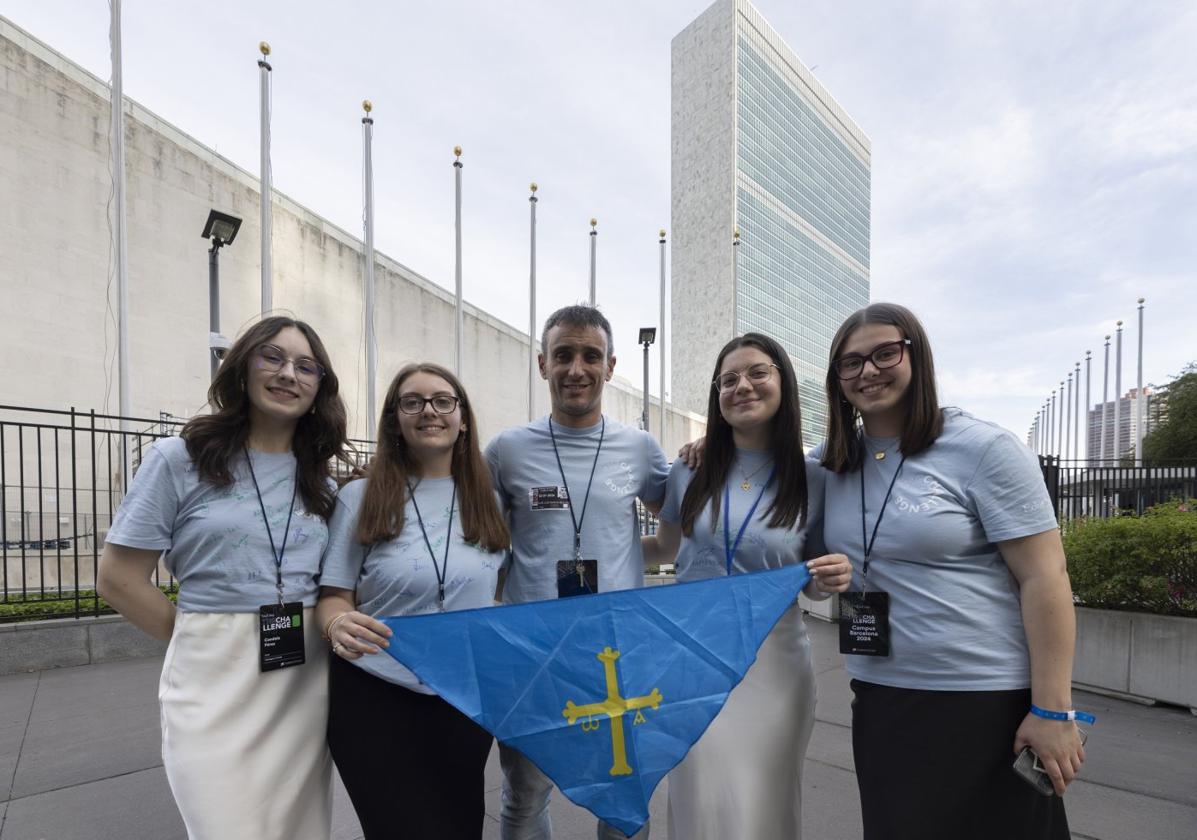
412,764
935,765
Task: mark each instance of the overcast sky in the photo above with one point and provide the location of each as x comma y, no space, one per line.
1034,164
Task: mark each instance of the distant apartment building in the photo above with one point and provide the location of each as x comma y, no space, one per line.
1124,428
760,147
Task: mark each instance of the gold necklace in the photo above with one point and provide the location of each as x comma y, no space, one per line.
746,485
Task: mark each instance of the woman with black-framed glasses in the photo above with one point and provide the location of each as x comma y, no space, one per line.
236,507
422,532
958,630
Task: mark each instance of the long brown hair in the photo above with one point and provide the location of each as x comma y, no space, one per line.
844,451
381,516
320,435
706,485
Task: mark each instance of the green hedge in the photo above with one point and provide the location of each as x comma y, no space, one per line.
1142,563
39,605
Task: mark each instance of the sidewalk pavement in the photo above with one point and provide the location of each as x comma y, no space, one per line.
80,760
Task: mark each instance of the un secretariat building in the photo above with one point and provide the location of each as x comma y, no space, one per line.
761,148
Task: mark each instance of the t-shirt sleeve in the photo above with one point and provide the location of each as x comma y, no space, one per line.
146,517
344,555
1007,491
656,471
675,491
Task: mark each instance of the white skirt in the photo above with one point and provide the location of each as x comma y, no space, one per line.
743,778
245,751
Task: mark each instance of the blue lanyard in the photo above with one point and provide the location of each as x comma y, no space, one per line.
729,549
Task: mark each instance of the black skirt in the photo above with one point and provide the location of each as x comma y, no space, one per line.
412,764
936,765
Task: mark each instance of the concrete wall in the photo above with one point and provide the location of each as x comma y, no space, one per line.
703,161
56,284
54,125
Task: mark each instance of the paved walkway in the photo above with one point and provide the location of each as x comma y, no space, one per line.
79,760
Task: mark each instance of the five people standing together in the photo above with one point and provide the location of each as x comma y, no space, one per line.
934,526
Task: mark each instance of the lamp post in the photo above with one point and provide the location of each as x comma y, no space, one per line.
647,336
220,229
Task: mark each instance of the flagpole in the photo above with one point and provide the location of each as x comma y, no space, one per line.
266,189
593,260
120,243
532,304
459,324
1088,402
1062,452
1105,397
1068,418
661,342
1051,432
1117,392
1140,398
368,188
1076,416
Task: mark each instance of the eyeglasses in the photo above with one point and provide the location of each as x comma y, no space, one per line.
272,359
414,403
757,375
882,356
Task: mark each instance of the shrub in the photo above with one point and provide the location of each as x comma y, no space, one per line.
1143,563
42,605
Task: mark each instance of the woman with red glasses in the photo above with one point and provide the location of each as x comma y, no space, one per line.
959,625
237,506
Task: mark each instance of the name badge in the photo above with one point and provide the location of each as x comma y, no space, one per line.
864,623
548,498
280,636
576,577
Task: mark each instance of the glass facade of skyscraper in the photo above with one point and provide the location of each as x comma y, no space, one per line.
802,208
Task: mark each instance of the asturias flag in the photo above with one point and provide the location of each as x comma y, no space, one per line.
604,693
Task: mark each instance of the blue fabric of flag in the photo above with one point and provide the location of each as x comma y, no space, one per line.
604,693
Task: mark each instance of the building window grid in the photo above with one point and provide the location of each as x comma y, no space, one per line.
808,198
800,120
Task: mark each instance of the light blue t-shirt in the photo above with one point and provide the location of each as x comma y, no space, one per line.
703,554
630,466
215,541
955,618
397,577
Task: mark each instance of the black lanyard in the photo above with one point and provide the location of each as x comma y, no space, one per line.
868,543
570,496
442,569
279,552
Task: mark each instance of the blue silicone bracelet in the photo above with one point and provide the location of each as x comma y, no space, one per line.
1071,714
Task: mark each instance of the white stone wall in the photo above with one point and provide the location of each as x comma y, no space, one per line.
58,334
703,200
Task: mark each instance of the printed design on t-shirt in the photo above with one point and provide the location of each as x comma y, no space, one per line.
932,497
626,485
1036,506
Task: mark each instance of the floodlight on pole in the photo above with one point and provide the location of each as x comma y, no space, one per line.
220,229
646,338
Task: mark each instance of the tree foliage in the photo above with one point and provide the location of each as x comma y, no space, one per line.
1175,438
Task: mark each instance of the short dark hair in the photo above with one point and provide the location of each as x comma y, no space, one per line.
789,502
924,421
579,315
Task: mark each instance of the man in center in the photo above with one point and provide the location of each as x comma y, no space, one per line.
569,484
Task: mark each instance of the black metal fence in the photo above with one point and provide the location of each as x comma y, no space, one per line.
62,477
1102,489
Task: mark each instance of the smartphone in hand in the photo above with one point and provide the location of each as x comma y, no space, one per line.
1028,768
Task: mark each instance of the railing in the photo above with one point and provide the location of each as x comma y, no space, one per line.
62,477
1102,489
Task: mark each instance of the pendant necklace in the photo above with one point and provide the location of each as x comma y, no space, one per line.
746,485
